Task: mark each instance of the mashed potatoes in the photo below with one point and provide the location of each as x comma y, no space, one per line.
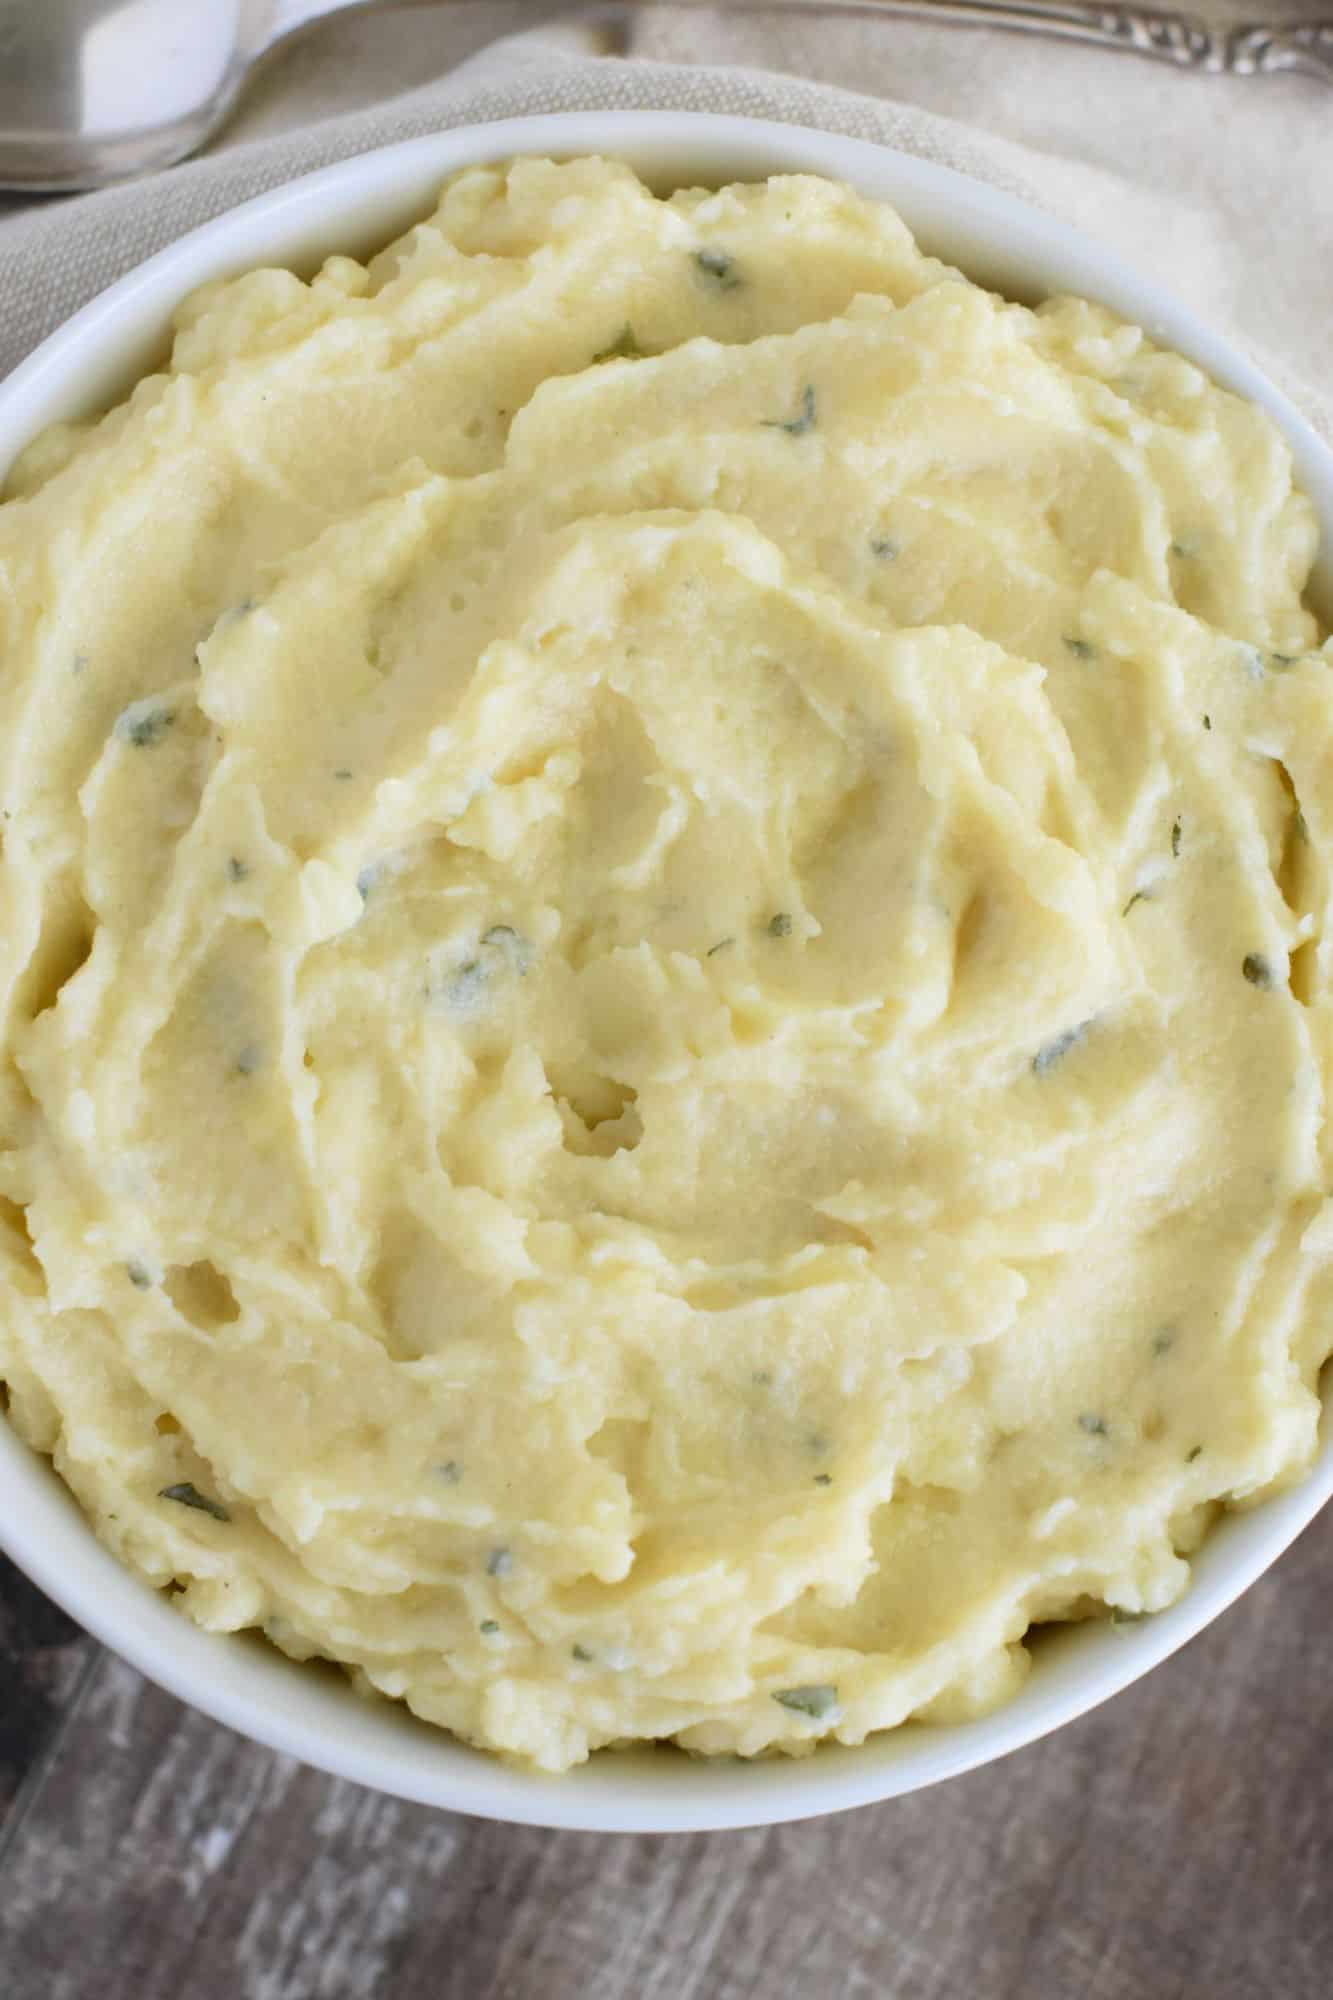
665,971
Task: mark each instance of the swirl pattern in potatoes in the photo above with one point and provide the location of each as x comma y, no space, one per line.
666,1021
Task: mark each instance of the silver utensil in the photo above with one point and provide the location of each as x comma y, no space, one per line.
93,91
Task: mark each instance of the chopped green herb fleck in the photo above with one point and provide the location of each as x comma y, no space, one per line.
249,1059
237,870
1139,896
342,774
450,1472
1280,660
1208,722
581,1654
1082,649
500,1562
489,1626
1051,1052
144,722
623,348
780,925
1164,1340
819,1702
1094,1425
723,944
1196,1452
1186,546
1257,969
466,985
796,426
1175,839
138,1274
823,1479
504,938
720,267
187,1495
882,547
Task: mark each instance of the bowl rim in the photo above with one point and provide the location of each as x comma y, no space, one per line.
249,1686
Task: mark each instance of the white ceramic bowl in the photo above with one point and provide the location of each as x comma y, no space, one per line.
243,1682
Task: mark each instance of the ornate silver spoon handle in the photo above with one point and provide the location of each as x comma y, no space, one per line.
1183,39
1251,49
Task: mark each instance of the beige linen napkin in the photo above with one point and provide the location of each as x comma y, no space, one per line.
1220,187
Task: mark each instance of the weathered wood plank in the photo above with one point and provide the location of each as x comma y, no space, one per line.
42,1654
1177,1843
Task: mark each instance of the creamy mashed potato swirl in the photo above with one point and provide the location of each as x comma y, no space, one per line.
665,975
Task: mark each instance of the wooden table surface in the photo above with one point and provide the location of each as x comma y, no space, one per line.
1175,1845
